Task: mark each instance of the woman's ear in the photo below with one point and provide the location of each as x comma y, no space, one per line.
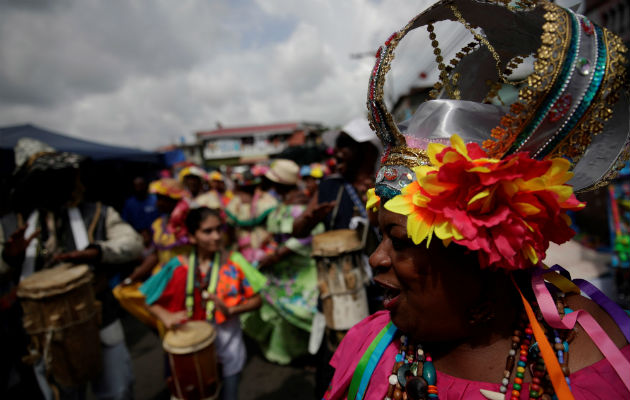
191,238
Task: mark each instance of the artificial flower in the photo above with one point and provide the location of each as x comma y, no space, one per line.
373,200
507,210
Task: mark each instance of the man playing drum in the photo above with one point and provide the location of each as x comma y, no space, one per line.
52,224
338,203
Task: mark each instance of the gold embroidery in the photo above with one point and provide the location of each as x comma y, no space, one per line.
550,55
407,156
600,111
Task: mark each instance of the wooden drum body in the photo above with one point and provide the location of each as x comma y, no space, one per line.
61,315
341,278
193,361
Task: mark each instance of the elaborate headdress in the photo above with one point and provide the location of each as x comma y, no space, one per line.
501,187
496,174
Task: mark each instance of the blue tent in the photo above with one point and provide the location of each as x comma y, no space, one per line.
9,137
107,178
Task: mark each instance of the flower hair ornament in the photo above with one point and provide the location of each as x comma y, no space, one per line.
507,209
531,108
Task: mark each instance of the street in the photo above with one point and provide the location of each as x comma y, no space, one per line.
260,379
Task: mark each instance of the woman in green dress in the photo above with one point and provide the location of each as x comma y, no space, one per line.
282,325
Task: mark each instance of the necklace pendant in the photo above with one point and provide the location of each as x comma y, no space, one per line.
414,369
417,388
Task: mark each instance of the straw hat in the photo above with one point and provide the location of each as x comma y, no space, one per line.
283,171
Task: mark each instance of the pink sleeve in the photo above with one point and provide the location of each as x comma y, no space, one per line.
350,351
599,381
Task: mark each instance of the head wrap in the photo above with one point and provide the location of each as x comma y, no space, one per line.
215,176
194,171
168,187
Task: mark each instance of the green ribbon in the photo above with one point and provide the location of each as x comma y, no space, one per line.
369,361
212,287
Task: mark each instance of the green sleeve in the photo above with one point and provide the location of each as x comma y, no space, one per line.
256,279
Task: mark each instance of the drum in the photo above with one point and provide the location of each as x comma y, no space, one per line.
193,361
62,317
341,277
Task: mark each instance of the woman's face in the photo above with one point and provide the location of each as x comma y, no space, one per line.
207,237
165,204
427,291
193,184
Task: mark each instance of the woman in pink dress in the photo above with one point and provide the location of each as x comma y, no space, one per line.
471,191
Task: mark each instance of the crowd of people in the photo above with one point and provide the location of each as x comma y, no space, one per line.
455,208
156,260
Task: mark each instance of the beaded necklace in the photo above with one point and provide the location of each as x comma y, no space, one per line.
414,377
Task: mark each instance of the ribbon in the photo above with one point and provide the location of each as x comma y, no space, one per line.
190,284
593,329
556,375
369,361
563,280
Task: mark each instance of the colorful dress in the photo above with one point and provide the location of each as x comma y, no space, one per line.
597,381
282,325
249,219
169,239
237,282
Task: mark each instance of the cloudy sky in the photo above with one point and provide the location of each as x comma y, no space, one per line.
147,72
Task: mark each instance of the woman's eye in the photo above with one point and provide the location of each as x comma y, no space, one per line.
400,243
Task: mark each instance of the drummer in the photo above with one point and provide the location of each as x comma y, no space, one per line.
51,223
356,154
220,286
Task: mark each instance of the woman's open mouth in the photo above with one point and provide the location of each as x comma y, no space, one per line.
391,295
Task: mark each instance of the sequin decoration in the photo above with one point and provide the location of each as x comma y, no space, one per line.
587,26
584,66
560,108
390,174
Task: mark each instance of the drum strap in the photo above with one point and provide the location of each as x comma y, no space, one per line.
79,233
28,267
212,287
355,199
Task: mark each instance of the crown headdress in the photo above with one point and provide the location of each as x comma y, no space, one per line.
568,105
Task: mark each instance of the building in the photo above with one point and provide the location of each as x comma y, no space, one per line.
254,143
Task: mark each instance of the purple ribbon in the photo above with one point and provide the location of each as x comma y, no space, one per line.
613,309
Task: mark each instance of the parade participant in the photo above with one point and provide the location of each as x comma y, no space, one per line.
282,325
356,155
247,214
194,179
168,232
169,238
338,201
311,176
218,185
468,198
140,210
53,224
208,284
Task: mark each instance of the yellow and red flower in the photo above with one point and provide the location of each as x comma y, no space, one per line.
507,210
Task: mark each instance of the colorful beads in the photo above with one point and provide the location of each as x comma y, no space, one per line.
428,371
413,376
